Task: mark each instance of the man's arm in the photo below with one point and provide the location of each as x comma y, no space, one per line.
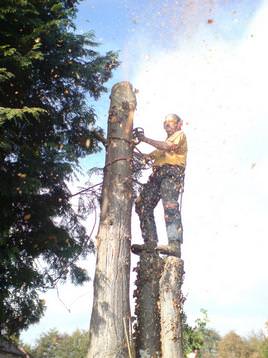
160,145
157,143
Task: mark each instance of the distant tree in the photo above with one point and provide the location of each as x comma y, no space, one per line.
200,337
233,346
48,75
258,343
264,348
255,342
191,336
211,339
61,345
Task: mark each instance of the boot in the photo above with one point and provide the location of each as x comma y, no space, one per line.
172,249
148,247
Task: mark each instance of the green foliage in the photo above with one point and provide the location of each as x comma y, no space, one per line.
200,337
19,113
211,345
264,349
264,345
61,345
4,74
49,78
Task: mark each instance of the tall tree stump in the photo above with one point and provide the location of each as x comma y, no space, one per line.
111,283
147,328
171,308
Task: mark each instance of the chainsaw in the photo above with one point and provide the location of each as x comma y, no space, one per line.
137,133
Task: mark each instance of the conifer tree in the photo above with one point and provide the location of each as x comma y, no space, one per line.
49,78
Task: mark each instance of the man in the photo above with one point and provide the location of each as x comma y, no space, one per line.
166,183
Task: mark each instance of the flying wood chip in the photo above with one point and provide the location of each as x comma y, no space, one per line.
27,217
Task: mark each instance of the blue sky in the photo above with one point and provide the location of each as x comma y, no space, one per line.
206,61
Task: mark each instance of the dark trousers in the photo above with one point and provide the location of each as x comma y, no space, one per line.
166,183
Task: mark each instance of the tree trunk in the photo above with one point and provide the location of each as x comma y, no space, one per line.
171,308
111,283
147,330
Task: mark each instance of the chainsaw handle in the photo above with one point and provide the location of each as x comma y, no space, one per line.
137,133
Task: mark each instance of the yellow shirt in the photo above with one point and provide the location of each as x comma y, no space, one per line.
177,156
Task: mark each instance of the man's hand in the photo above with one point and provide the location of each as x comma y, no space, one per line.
140,136
147,158
138,155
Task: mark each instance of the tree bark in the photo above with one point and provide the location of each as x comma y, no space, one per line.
147,330
111,283
171,308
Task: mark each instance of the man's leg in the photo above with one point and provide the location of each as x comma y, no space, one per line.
170,190
144,205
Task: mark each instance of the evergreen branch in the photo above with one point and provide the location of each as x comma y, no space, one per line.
5,74
7,114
